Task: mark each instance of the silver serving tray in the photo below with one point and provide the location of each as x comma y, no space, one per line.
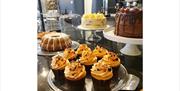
41,52
125,81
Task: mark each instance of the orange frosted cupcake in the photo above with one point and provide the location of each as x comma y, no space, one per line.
58,64
112,60
82,47
101,76
75,75
69,54
88,59
100,52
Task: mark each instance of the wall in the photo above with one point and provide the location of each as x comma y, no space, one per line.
97,5
76,6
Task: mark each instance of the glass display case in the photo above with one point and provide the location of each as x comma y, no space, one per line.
54,20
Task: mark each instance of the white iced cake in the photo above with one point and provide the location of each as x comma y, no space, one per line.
93,20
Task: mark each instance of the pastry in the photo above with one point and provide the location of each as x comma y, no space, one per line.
75,76
101,76
55,42
99,52
112,60
70,54
58,64
88,59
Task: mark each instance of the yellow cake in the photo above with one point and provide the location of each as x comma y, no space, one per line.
93,20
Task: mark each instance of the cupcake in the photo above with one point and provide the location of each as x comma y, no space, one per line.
58,64
82,47
101,76
75,76
112,60
88,59
99,52
69,54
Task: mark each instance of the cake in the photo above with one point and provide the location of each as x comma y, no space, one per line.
99,52
69,54
88,59
129,23
93,20
101,76
58,64
112,60
82,47
75,76
55,41
41,34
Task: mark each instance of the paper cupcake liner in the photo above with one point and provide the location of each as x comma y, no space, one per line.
101,85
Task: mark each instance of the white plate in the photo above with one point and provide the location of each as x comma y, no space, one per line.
92,29
41,52
109,34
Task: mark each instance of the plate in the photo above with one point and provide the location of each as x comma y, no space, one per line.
116,84
92,29
109,34
41,52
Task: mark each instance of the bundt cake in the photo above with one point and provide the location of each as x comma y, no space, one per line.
129,22
55,42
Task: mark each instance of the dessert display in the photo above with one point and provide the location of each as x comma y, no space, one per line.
58,64
75,75
55,42
129,22
101,76
87,67
70,54
99,52
112,60
88,59
93,20
82,47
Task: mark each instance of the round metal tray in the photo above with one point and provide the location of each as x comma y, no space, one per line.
75,45
115,85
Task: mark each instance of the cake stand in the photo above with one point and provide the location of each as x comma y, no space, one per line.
94,38
130,48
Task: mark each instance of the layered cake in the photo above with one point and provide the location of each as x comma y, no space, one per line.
55,41
93,20
129,22
101,76
75,76
58,64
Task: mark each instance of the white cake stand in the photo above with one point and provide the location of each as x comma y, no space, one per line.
130,48
93,37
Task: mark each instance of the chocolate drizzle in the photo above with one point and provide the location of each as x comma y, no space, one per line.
129,24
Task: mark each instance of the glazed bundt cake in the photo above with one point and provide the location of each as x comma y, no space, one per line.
55,41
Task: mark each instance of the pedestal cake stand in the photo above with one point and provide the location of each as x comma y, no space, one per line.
130,48
93,37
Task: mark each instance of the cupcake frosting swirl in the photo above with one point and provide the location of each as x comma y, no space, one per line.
88,58
58,62
69,53
75,71
111,59
82,47
99,51
101,71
